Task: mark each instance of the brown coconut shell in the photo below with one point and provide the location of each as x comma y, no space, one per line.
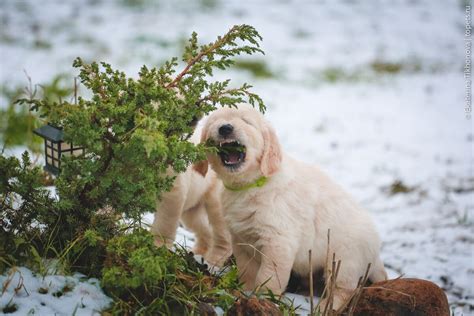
407,297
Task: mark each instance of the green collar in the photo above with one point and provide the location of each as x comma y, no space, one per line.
260,182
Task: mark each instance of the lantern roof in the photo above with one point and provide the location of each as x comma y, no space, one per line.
50,132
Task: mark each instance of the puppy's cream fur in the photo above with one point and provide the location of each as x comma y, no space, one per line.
273,227
195,200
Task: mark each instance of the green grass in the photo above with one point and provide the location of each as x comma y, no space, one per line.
387,67
42,44
399,187
301,34
18,122
334,74
381,67
138,4
372,71
257,68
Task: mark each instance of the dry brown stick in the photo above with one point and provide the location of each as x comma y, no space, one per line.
330,285
327,288
333,282
338,268
311,294
358,292
351,301
75,90
327,249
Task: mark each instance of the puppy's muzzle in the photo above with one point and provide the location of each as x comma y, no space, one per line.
225,130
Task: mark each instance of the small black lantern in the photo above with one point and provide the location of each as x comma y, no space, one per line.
55,147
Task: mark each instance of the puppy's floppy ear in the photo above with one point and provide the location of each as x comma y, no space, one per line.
203,165
272,155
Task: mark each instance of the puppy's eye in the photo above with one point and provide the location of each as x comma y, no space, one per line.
247,121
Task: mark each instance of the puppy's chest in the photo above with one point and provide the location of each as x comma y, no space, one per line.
246,217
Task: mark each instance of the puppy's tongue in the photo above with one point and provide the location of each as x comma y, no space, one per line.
233,158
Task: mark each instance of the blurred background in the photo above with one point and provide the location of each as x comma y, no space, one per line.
372,91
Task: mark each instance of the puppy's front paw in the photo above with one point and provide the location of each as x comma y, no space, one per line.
160,242
199,250
218,257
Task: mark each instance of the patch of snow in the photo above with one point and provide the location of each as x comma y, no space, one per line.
27,293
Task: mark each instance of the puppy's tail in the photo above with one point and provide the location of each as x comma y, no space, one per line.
378,272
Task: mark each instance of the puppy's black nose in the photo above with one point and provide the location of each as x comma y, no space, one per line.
226,130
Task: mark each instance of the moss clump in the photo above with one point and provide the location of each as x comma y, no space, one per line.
10,309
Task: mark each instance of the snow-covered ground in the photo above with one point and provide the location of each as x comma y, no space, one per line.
371,91
28,294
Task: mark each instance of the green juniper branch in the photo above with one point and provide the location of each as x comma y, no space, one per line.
135,134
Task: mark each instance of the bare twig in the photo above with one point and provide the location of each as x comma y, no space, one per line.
333,283
311,294
327,249
328,286
9,279
357,293
75,90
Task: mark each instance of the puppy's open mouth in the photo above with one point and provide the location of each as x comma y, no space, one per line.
232,154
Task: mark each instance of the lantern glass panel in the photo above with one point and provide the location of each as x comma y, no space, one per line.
65,146
66,149
49,160
77,151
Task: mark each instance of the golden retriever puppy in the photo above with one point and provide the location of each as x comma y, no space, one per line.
195,201
278,208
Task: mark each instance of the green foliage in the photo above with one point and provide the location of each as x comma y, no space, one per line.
135,133
17,127
35,225
150,280
24,202
142,125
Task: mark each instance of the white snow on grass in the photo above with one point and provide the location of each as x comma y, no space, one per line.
372,92
26,293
